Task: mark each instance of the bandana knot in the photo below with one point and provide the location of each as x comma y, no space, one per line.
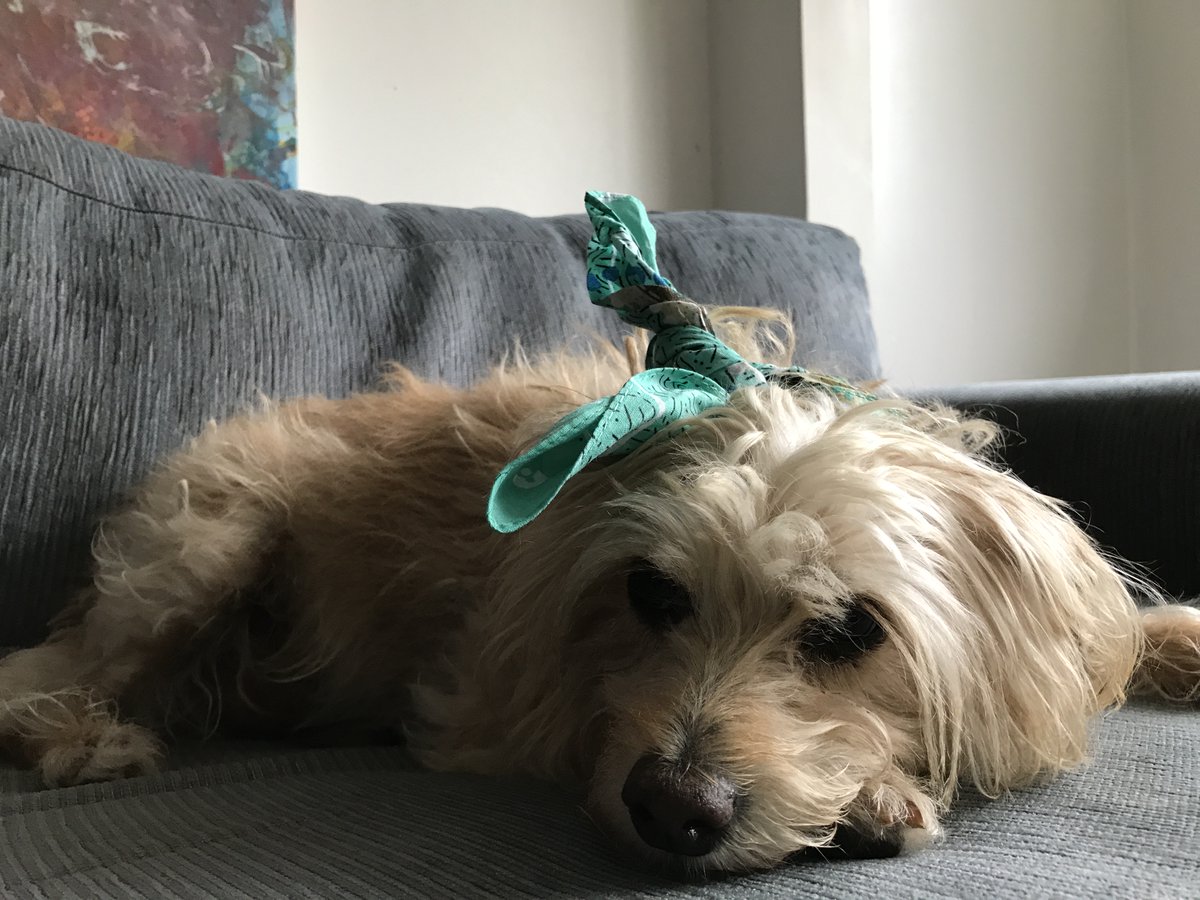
688,368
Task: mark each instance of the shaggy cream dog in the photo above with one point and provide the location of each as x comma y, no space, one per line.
795,625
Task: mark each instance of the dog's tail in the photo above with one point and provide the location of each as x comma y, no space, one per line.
1170,663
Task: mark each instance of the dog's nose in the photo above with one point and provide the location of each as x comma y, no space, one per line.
678,811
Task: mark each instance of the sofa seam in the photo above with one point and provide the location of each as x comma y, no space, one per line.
189,217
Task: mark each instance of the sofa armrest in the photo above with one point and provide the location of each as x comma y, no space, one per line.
1124,450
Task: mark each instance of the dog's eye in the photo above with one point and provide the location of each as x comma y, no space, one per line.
842,639
658,601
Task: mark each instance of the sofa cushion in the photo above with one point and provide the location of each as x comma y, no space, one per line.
139,300
258,821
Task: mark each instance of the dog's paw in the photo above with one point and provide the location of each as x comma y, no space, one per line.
1170,665
888,818
98,749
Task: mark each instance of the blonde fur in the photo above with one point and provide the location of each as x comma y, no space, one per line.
327,565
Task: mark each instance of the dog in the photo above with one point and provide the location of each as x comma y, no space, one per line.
794,624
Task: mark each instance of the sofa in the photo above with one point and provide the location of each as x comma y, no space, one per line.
138,301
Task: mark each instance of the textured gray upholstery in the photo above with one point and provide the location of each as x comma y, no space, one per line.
136,301
258,822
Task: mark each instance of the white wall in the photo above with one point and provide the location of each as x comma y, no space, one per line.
840,176
521,104
526,103
1164,61
991,195
757,105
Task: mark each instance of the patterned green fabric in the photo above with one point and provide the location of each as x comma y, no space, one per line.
621,249
623,276
688,368
648,402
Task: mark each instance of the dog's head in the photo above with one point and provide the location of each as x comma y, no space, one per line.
798,626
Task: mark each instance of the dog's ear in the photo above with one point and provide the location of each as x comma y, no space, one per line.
1012,626
1051,632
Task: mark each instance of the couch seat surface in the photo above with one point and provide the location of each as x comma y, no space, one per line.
266,820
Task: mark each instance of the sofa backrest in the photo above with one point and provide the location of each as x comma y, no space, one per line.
139,300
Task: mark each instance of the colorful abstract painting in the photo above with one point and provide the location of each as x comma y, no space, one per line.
208,84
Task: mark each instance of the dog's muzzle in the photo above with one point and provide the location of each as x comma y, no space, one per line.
683,811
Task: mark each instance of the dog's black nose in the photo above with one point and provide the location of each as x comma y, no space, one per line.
680,811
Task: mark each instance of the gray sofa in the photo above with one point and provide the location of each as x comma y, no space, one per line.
137,301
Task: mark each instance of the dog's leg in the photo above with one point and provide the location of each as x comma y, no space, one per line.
1170,664
68,731
196,536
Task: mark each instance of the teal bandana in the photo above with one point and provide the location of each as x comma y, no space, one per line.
688,369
